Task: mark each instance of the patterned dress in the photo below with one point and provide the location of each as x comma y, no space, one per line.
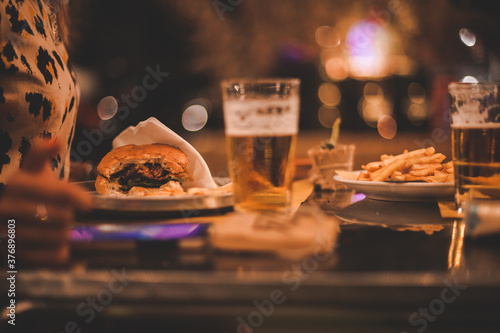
38,91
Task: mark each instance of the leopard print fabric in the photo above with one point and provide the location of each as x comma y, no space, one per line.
38,91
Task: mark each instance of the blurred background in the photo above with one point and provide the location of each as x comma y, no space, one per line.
382,66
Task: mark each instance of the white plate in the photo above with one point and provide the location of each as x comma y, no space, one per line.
161,204
397,191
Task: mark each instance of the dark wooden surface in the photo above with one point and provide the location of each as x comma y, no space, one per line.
378,278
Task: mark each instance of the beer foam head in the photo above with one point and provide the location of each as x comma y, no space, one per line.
473,104
262,117
261,106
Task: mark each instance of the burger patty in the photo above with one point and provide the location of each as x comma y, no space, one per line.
145,175
146,170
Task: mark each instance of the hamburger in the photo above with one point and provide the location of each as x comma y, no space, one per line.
151,169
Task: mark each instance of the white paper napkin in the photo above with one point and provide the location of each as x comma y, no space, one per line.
308,231
153,131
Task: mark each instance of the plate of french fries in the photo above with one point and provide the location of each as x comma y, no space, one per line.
417,175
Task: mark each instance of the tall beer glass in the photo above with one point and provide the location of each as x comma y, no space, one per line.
475,124
261,119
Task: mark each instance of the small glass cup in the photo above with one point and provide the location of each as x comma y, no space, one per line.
261,118
326,161
475,124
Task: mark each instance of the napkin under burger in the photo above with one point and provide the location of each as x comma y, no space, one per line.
149,169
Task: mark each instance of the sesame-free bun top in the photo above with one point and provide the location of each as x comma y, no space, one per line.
169,157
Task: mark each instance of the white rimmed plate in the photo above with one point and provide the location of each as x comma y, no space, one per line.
157,204
397,191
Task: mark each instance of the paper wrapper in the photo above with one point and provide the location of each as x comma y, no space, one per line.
153,131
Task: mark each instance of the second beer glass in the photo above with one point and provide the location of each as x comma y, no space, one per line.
261,119
475,124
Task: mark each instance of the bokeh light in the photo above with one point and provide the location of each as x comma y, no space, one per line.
322,73
469,79
387,127
107,107
327,37
327,115
369,45
372,90
201,101
416,93
417,114
374,108
373,104
336,68
194,118
467,37
329,94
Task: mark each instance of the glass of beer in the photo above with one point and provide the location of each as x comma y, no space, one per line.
475,124
261,119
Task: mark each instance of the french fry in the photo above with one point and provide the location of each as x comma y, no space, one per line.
432,159
397,176
384,173
423,172
372,166
448,165
412,178
438,178
419,166
384,157
412,154
363,176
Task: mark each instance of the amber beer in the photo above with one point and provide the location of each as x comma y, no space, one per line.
262,170
476,154
261,124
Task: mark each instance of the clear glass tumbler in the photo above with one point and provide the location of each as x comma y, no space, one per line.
261,119
475,124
